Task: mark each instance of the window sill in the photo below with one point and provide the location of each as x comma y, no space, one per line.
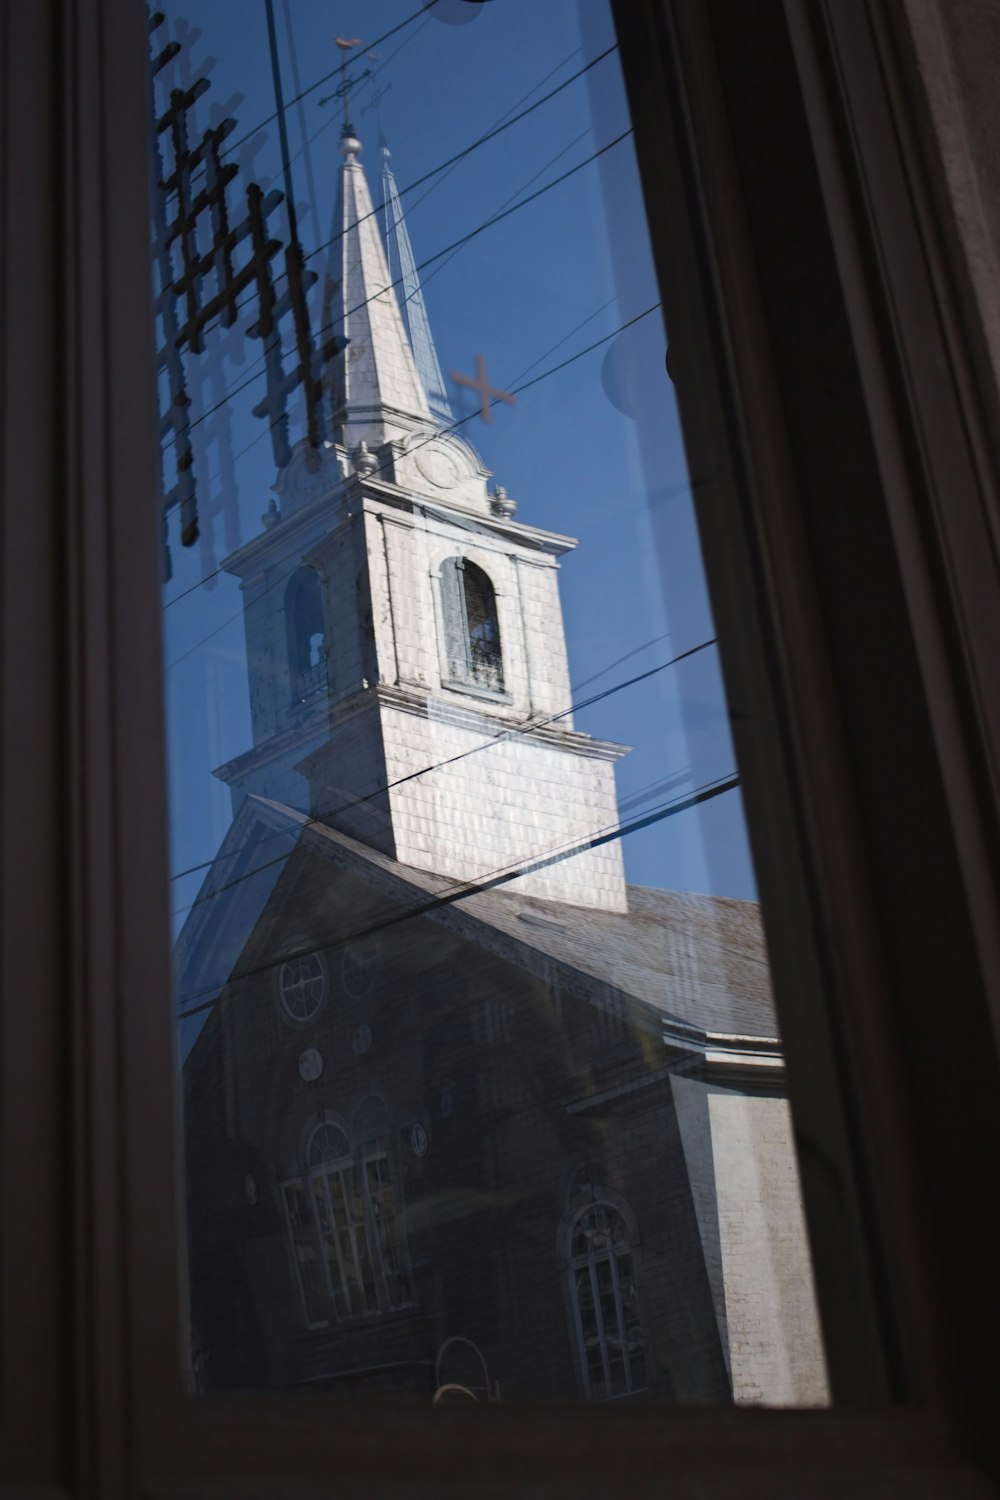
475,690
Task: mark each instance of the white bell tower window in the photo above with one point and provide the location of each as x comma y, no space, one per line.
305,626
472,630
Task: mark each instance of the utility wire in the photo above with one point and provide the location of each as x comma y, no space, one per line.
432,437
402,192
456,245
645,645
445,172
235,145
643,794
499,738
457,251
487,224
461,890
333,118
206,864
467,150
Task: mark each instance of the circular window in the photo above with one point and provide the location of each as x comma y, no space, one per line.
301,983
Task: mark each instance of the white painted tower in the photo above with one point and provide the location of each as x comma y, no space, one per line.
409,682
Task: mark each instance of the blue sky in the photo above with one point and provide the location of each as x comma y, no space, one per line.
594,450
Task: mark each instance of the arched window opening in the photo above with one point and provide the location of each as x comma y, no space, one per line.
355,1220
306,631
472,630
327,1144
605,1299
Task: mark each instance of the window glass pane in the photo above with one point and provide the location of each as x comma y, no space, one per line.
469,961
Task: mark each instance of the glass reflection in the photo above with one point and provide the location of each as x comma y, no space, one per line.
483,1093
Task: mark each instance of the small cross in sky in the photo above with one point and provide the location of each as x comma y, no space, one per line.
486,391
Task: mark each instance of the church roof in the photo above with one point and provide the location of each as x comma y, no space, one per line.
697,961
687,968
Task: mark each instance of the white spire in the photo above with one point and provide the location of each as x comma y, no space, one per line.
376,389
403,271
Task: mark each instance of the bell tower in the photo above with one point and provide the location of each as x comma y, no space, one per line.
408,674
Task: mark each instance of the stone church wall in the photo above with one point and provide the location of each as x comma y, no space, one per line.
502,805
774,1333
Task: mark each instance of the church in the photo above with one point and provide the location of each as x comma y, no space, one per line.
466,1116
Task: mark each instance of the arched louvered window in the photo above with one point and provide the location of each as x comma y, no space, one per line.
605,1299
305,628
472,630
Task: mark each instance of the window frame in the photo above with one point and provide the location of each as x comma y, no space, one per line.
354,1164
458,643
300,1186
575,1262
306,953
114,1415
306,678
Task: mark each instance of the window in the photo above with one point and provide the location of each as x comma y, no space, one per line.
309,1270
825,92
354,1220
306,631
301,986
491,789
605,1299
472,631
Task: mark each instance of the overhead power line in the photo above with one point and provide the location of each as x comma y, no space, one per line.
260,363
432,437
644,646
500,737
482,140
311,89
460,891
488,224
443,173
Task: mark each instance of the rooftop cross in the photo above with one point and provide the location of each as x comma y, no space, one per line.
486,391
345,44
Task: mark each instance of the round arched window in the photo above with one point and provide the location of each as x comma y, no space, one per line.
301,986
328,1144
471,625
605,1295
306,631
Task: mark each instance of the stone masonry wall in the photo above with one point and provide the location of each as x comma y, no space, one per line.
508,802
775,1346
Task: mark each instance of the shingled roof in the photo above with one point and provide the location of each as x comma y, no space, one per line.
699,961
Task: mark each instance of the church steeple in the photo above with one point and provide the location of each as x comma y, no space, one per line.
409,682
403,271
377,393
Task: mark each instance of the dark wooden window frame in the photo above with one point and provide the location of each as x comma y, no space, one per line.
823,370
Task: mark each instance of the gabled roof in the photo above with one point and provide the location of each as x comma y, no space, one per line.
691,968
